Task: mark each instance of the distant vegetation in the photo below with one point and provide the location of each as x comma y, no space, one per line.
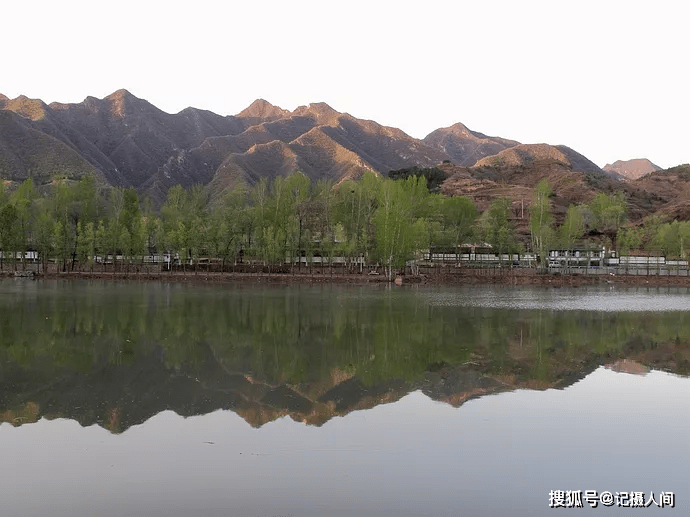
434,176
373,220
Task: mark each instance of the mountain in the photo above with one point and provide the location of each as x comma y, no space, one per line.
142,141
131,143
631,169
321,142
464,146
126,141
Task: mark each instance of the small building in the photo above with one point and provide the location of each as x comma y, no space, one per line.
476,254
582,257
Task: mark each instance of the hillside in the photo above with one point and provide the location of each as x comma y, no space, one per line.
525,154
28,153
672,189
515,172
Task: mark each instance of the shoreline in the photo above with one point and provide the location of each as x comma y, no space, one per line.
506,277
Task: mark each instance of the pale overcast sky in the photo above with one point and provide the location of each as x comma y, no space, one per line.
607,78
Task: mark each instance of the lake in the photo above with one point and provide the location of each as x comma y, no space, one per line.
164,399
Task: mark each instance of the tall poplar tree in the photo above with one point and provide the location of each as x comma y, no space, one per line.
497,229
541,220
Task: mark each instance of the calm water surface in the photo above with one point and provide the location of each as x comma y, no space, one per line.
175,400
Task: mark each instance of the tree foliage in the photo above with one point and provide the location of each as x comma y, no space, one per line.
292,220
498,230
433,175
609,212
573,226
541,219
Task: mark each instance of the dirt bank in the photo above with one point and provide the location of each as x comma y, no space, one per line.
441,276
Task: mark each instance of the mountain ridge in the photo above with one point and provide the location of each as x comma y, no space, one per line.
132,143
129,142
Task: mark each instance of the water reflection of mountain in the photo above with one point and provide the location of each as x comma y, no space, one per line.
117,356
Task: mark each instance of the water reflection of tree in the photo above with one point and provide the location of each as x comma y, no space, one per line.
313,338
296,335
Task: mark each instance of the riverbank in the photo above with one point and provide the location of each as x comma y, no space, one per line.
440,276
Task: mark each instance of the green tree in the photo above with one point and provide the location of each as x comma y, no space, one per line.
673,238
300,200
316,221
131,220
87,244
541,220
497,229
185,222
9,235
101,241
260,198
62,242
399,221
609,212
44,231
459,215
630,239
573,226
353,213
23,199
74,203
651,225
229,223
